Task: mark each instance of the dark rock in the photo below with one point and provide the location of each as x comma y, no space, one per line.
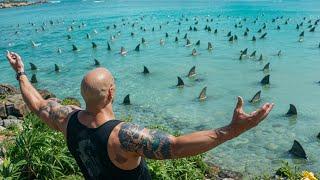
46,94
318,136
6,89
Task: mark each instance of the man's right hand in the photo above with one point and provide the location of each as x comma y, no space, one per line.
242,121
15,61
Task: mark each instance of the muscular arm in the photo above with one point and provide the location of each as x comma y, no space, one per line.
50,111
155,144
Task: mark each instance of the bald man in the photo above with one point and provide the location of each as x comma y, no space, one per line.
106,148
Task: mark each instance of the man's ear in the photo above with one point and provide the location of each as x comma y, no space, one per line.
111,93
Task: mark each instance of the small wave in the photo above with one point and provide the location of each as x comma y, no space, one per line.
98,1
54,2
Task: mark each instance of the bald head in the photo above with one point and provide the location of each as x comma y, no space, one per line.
97,88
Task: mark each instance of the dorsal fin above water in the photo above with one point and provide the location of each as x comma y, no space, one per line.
96,62
292,110
180,82
34,79
301,34
143,40
33,66
312,29
209,46
297,150
229,33
265,80
254,38
263,36
256,97
56,68
188,42
198,43
74,47
109,48
253,54
203,94
192,72
94,45
145,70
266,67
194,52
137,48
185,36
126,100
230,39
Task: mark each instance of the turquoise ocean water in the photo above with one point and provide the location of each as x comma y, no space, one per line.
155,100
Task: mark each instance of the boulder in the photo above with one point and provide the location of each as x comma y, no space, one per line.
46,94
9,122
6,89
11,117
15,106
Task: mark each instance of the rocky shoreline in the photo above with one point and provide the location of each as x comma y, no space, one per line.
19,4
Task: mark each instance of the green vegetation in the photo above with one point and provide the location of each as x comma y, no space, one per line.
71,101
36,152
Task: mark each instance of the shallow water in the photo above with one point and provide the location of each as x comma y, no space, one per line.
155,98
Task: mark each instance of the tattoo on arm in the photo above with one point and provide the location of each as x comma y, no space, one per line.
54,111
152,144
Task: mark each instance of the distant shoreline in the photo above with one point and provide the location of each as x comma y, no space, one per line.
13,4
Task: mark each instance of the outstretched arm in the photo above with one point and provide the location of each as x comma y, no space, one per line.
50,111
155,144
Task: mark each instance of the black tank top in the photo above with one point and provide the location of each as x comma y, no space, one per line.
89,147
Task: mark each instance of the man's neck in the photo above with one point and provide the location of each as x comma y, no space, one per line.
93,118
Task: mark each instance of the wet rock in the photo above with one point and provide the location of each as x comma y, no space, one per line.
10,122
46,94
227,174
218,173
6,89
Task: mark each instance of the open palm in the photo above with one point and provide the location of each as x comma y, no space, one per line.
242,121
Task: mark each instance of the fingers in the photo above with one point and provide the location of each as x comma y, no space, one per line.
9,56
262,112
239,103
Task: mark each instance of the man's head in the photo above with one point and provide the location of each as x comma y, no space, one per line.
98,88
